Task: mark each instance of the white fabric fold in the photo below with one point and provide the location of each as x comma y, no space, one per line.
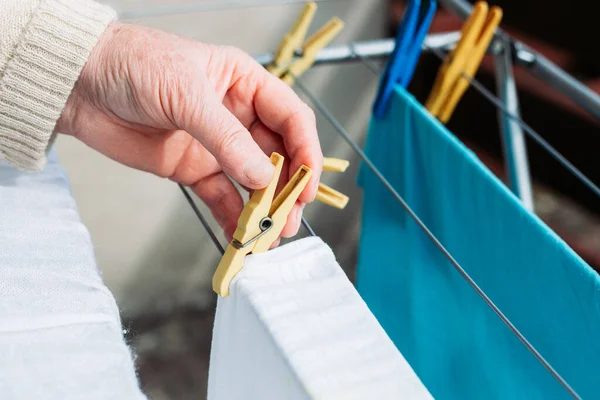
294,327
60,331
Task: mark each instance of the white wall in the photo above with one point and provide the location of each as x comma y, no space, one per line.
153,251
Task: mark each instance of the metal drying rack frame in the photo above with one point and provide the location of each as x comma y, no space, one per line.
507,52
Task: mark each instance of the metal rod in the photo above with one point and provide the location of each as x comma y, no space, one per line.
372,49
375,69
560,80
460,8
204,222
535,63
346,136
541,67
515,149
530,131
516,119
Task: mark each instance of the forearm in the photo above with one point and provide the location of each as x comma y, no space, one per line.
44,45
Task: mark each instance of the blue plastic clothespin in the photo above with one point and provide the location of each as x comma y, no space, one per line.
403,60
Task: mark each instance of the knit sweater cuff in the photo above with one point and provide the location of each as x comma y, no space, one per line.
38,79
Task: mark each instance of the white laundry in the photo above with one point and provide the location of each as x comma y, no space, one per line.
60,331
294,327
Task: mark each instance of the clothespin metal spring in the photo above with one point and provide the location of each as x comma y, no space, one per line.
265,225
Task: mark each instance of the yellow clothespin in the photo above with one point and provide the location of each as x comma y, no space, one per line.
450,84
335,164
328,195
260,223
331,197
288,67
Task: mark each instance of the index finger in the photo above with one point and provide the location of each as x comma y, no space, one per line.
282,111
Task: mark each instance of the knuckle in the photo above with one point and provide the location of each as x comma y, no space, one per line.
246,64
303,117
229,143
294,119
235,53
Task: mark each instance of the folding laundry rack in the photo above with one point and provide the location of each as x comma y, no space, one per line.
507,52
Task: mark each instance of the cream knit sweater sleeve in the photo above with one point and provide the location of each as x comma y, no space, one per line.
44,45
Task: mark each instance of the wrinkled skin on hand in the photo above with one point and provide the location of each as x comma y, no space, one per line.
194,113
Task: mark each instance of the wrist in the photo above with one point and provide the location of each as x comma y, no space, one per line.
40,75
84,92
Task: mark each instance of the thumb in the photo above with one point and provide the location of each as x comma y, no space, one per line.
231,144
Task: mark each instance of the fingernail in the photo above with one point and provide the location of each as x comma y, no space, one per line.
259,170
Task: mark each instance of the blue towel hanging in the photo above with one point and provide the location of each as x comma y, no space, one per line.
456,344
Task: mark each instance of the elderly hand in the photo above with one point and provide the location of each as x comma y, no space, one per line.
193,113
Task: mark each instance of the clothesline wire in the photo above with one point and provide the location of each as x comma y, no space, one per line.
528,129
203,220
346,136
210,231
306,225
535,136
368,63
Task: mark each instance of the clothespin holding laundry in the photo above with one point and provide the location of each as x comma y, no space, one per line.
401,65
462,63
286,65
260,224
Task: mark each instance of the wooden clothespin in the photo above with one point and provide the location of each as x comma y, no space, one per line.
285,63
462,63
402,62
260,224
327,194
